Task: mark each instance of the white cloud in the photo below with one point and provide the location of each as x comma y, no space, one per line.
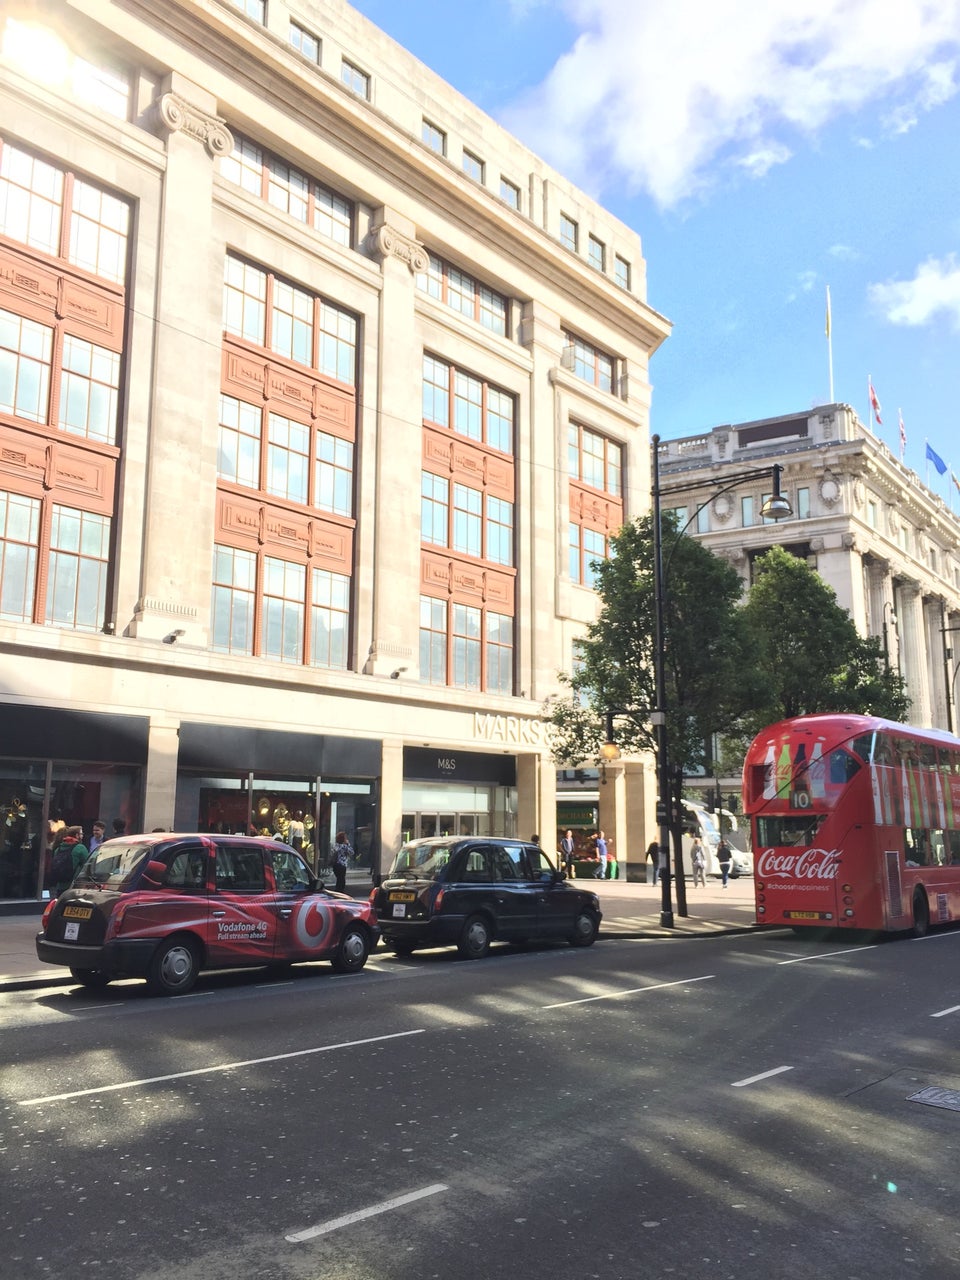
665,97
844,253
934,290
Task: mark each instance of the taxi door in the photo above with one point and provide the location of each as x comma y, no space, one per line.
242,927
308,923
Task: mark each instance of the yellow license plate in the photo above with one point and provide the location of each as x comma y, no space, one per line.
804,915
71,912
403,897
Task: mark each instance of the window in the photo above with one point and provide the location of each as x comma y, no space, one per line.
464,294
594,459
476,409
586,545
467,520
499,653
596,253
282,610
588,363
433,137
88,390
569,233
357,81
465,646
305,42
288,459
872,514
288,189
499,530
703,518
433,640
79,556
509,193
98,232
238,458
329,619
26,350
803,504
19,537
475,652
746,511
333,479
255,9
434,509
621,272
303,327
99,83
473,166
232,609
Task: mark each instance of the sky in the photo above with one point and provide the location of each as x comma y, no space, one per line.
763,152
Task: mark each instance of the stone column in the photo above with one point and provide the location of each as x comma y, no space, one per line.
613,810
537,800
641,815
914,653
392,502
160,786
181,480
934,618
391,800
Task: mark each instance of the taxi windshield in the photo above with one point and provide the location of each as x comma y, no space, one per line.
114,865
421,861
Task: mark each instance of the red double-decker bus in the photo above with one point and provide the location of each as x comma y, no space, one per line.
855,823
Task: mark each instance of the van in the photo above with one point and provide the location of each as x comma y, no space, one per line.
698,821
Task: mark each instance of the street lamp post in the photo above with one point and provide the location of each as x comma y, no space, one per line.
775,507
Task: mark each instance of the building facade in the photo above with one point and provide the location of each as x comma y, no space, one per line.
319,393
886,544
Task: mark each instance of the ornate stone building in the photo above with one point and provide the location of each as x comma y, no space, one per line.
886,543
318,395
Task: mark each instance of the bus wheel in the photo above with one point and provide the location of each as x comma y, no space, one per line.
921,914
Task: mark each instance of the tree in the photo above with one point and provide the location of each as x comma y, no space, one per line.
811,655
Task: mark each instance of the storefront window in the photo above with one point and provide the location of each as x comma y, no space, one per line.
22,846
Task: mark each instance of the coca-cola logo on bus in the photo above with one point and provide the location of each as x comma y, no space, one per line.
811,864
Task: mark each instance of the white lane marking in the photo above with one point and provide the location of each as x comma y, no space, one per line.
824,955
943,1012
616,995
224,1066
764,1075
310,1233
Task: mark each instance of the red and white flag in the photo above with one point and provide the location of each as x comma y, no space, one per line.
874,402
903,434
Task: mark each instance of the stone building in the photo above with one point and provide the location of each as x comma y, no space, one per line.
318,395
885,542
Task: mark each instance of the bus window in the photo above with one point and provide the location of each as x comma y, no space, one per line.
792,831
862,746
938,849
916,847
842,767
953,844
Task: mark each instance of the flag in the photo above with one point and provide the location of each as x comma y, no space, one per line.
828,312
874,402
903,434
937,461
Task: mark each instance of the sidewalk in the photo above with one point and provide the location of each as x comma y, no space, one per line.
629,911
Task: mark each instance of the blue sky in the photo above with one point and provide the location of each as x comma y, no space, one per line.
762,152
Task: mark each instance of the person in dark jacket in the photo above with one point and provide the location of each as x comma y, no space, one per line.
73,840
342,855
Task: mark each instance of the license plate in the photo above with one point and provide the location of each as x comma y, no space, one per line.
399,910
71,912
402,897
71,932
803,915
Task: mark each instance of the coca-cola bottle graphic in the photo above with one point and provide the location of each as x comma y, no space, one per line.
769,779
784,771
801,781
817,771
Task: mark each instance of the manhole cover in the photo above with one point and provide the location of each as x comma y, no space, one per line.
948,1098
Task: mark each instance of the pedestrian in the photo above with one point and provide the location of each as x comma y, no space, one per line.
98,834
535,839
567,849
295,831
119,827
342,853
699,860
724,857
71,854
600,844
653,858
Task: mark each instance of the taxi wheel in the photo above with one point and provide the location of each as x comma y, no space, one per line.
351,954
92,979
585,930
174,968
475,939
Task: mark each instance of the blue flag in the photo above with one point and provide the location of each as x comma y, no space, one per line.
937,461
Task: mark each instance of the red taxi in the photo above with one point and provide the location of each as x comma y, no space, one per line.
163,907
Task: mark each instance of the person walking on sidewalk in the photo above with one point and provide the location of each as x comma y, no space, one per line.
699,860
342,854
600,844
567,850
724,857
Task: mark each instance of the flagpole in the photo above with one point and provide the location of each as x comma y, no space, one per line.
829,344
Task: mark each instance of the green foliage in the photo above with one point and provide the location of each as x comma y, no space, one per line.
810,653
